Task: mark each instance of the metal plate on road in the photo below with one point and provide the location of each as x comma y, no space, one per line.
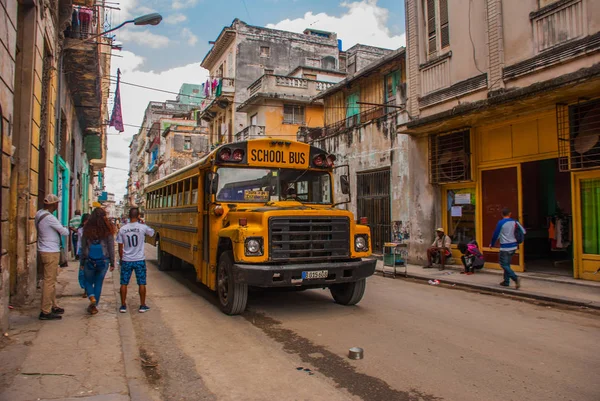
315,274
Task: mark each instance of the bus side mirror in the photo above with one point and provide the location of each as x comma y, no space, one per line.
344,184
211,183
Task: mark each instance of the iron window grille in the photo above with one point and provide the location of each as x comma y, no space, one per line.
578,128
450,157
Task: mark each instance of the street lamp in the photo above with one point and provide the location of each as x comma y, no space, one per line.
148,19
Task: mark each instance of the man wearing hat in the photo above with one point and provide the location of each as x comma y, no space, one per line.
440,247
49,232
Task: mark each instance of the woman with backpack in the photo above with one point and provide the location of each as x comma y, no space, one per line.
97,253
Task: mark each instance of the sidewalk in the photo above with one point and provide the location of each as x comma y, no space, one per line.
80,357
565,290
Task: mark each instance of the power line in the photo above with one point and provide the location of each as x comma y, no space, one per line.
113,80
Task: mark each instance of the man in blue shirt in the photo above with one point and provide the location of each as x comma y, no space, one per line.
505,232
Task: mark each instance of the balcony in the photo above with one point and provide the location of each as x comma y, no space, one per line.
351,122
82,66
218,99
280,84
250,132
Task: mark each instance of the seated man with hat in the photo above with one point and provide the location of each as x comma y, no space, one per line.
439,249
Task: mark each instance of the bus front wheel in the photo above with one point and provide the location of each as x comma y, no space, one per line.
348,293
232,296
164,259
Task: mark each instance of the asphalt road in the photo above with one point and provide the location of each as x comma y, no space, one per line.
421,343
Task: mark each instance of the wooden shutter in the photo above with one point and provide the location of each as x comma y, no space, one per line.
431,26
444,26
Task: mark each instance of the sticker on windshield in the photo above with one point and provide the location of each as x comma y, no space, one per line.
257,196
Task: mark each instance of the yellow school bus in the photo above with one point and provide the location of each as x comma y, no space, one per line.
260,213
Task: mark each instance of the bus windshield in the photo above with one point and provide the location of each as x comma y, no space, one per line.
273,184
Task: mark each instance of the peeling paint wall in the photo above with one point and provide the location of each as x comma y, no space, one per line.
287,51
8,43
375,146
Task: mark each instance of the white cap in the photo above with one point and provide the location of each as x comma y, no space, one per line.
51,199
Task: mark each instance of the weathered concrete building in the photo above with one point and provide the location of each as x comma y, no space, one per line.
279,105
505,106
243,53
174,143
140,160
51,108
361,115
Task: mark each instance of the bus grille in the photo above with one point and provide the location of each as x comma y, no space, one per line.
309,238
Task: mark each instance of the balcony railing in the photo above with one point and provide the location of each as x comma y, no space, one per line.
226,86
250,132
270,83
364,117
84,23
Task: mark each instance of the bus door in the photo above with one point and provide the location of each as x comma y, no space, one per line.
206,201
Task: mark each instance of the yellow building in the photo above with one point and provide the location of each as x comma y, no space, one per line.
515,127
278,106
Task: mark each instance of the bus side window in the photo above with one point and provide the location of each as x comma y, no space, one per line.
195,190
180,193
163,198
186,195
175,192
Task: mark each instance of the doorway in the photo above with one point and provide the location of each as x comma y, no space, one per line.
547,217
373,202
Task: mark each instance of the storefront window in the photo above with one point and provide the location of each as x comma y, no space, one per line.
461,214
590,215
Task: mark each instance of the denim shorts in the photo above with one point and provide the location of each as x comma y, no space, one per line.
127,268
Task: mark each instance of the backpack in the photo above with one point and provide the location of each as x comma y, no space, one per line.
519,236
96,252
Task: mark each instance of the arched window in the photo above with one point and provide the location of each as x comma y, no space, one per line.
328,63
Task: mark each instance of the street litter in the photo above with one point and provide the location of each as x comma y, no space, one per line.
434,282
355,353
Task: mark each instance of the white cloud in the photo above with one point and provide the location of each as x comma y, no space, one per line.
189,37
144,38
363,22
179,4
175,19
134,101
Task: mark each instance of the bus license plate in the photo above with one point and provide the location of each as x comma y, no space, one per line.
315,274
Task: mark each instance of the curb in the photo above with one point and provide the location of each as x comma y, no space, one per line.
507,291
136,379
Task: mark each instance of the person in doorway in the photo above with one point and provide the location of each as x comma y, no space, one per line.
506,232
97,253
472,257
74,224
439,249
49,232
84,219
131,238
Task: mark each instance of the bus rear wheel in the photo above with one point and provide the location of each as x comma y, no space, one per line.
348,293
164,259
232,296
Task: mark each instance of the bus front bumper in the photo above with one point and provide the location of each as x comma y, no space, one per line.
291,275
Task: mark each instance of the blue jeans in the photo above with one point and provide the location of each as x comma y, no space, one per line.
94,272
81,278
505,258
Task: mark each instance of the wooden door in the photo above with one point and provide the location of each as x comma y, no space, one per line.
499,189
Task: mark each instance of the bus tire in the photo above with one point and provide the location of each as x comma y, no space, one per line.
232,296
348,293
164,259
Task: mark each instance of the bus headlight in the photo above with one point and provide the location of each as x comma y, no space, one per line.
360,243
254,247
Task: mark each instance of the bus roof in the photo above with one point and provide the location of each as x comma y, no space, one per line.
211,156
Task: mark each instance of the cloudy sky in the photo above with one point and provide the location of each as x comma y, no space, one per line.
167,55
